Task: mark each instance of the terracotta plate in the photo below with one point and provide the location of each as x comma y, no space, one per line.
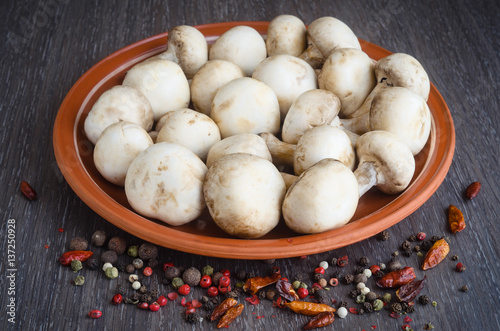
375,213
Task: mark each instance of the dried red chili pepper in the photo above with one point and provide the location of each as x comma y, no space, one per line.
254,284
473,190
95,313
436,254
353,310
455,219
254,299
322,319
286,291
28,191
230,316
308,308
397,278
222,308
343,261
81,256
409,291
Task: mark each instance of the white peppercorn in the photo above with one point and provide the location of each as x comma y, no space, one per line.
342,312
136,285
106,266
365,290
367,273
323,264
133,278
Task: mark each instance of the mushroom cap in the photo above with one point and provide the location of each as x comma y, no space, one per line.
189,128
392,159
403,70
288,76
310,109
241,45
324,197
212,75
329,33
349,73
245,105
244,193
248,143
322,142
119,103
404,113
187,47
165,182
162,82
286,34
117,147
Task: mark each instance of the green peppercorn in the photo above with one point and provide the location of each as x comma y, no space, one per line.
177,282
387,297
296,285
303,285
360,298
207,270
420,254
378,305
434,303
133,251
111,273
76,265
79,280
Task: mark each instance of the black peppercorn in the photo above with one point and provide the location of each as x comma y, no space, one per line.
334,261
379,274
78,244
92,263
109,257
322,297
454,257
406,245
384,235
464,288
192,318
417,248
426,245
364,261
394,265
145,281
410,309
117,244
337,274
412,238
121,265
98,238
165,281
407,252
129,268
424,299
367,307
143,290
348,279
154,293
359,270
396,307
119,289
344,304
361,311
434,239
208,306
192,276
172,272
153,263
148,251
318,276
353,294
260,294
215,278
135,296
241,274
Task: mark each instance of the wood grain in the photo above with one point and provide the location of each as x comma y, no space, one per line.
48,45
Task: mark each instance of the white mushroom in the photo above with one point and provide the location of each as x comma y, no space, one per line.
165,182
245,105
211,76
189,128
286,34
324,197
244,194
384,161
241,45
119,103
187,47
162,82
324,35
241,143
288,76
349,73
117,147
397,110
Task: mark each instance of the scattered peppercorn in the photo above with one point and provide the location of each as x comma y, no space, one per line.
78,244
337,274
111,273
367,306
359,270
371,296
434,303
384,235
106,266
117,244
208,306
396,307
464,288
322,282
98,238
348,279
420,254
172,272
426,245
434,239
79,280
133,251
129,268
191,318
109,257
270,294
92,263
240,274
380,274
360,278
353,294
454,257
318,276
417,248
138,263
387,297
424,299
395,254
148,251
215,278
407,252
459,268
192,276
360,298
334,261
428,326
207,270
143,289
406,245
394,265
361,311
378,305
177,282
364,261
76,265
136,285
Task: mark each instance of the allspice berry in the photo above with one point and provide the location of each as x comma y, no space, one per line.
172,272
78,244
98,238
148,251
109,257
117,244
215,278
191,276
360,278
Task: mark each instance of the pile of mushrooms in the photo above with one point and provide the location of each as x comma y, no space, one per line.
295,126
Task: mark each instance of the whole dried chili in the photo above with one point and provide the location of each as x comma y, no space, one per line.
286,291
81,256
222,308
455,219
322,319
436,254
308,308
254,284
397,278
409,291
28,191
230,316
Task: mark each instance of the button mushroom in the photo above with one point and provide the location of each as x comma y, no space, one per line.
286,34
244,194
324,197
165,182
241,143
120,103
324,35
187,47
348,72
162,82
288,76
384,161
189,128
117,147
241,45
397,110
245,105
211,76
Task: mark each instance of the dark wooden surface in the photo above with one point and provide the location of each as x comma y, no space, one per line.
46,48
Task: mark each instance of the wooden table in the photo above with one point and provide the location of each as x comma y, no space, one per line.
48,45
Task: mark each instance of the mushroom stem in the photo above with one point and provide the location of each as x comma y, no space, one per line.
358,125
289,179
366,175
337,123
282,153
